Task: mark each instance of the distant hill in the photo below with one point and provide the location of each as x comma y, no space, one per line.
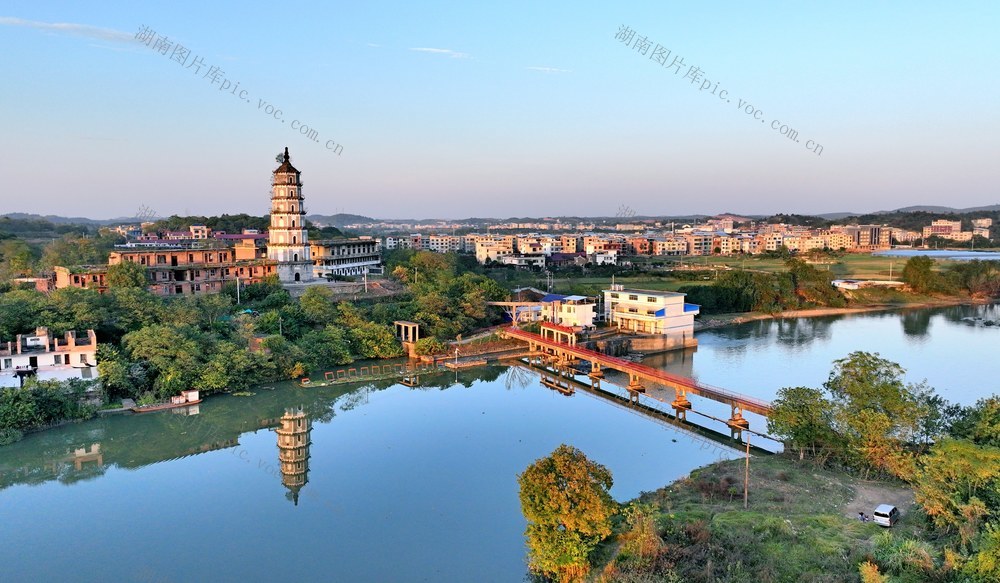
57,220
944,209
340,219
836,216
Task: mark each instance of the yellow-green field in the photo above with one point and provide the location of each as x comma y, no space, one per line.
852,266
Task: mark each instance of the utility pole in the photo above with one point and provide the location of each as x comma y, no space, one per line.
366,282
746,478
237,290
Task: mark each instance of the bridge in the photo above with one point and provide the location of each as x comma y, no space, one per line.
558,344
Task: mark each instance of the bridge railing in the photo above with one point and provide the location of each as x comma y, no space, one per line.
628,366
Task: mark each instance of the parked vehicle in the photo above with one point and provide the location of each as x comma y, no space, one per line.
886,515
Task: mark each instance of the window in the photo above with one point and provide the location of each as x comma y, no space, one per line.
633,297
615,296
651,299
58,359
7,363
83,358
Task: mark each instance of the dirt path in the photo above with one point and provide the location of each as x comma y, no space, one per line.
868,495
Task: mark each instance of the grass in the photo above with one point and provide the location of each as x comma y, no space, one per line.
795,528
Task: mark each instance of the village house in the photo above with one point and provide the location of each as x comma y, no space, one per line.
47,357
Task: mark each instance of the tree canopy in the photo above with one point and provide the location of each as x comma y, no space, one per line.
565,499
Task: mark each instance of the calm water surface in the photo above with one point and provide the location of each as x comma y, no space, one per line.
403,484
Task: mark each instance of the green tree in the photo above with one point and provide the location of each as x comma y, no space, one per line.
318,305
801,416
876,412
918,273
127,274
324,347
371,340
230,368
174,354
565,499
958,486
984,566
17,259
429,346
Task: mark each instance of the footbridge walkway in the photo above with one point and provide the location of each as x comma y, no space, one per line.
558,344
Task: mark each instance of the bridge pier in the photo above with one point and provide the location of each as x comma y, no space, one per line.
681,404
737,423
635,387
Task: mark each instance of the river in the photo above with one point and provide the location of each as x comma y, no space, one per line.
400,483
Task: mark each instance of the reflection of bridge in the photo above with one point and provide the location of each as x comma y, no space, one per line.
558,344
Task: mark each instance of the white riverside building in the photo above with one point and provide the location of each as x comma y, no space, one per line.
288,242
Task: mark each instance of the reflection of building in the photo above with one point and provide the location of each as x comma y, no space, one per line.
293,450
83,455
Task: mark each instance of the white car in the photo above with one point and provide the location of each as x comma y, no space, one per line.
886,515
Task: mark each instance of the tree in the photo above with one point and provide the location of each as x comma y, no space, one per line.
325,346
918,274
318,305
565,499
984,566
127,274
174,354
801,416
876,412
958,486
429,345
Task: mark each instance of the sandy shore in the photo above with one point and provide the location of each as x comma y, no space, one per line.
720,320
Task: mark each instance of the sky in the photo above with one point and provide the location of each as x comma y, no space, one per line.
468,109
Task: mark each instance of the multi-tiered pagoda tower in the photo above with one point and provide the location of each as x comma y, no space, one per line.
293,450
288,242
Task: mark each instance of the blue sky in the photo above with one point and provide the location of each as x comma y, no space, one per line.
452,109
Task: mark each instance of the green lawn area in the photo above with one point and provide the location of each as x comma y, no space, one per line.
797,526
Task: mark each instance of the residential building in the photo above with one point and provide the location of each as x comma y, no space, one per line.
200,232
659,313
523,260
48,357
867,237
82,276
192,271
344,256
605,257
572,311
981,227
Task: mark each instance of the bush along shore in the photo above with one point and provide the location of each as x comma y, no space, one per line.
863,439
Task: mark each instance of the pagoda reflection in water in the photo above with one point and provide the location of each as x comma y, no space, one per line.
293,451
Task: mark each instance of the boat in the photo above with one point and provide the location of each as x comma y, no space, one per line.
185,399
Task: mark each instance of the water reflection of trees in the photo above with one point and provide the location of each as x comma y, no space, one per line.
140,440
916,323
785,331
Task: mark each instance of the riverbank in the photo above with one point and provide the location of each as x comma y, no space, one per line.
720,320
801,524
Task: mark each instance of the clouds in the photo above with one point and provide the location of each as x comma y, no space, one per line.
549,70
84,30
444,52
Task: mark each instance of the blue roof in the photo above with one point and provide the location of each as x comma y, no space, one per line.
691,307
552,298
